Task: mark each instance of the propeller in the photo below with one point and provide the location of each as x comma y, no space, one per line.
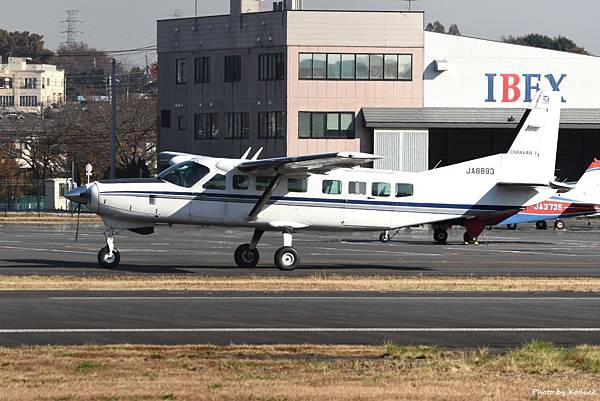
78,214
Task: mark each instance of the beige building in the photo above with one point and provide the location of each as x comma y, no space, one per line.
30,87
292,81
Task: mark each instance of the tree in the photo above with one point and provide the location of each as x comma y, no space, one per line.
85,132
23,44
559,43
438,27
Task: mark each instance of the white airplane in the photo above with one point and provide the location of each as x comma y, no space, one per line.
329,192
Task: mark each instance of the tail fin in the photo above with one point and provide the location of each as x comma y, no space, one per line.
590,180
531,159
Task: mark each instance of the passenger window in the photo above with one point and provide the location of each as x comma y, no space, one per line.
184,174
404,190
380,189
332,187
241,182
218,182
357,188
297,184
262,183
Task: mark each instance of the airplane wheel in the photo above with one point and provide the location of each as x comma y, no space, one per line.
511,227
384,237
287,258
541,225
246,257
440,236
469,239
106,261
559,225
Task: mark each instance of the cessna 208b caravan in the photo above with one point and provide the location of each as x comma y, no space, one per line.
330,192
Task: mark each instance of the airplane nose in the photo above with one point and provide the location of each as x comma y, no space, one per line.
79,195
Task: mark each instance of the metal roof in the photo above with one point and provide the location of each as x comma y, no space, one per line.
448,117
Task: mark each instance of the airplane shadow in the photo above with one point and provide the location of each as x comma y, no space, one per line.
194,269
450,243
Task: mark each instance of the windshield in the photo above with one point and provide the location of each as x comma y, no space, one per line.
184,174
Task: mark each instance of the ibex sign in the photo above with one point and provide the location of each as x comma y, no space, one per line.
519,88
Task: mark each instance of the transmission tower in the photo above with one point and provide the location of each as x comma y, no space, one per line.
71,25
409,4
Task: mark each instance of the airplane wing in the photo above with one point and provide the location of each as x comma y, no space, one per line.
319,163
175,157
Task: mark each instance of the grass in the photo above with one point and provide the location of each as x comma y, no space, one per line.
285,283
294,372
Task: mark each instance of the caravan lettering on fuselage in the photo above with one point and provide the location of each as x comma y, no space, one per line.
524,153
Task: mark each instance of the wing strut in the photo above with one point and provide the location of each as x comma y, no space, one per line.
262,201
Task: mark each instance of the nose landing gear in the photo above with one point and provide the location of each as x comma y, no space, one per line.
109,257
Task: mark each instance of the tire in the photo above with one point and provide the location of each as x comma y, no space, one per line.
440,236
287,258
541,225
246,257
559,225
468,238
107,262
511,227
384,237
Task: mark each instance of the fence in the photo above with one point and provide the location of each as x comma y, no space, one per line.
36,195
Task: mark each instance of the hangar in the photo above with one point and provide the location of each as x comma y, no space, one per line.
297,81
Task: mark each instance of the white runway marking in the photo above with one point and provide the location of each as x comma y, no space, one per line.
18,248
314,330
318,298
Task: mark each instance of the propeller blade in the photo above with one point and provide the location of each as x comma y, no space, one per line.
78,214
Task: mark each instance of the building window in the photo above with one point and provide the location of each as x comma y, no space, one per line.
233,68
297,185
180,75
182,123
357,188
30,83
272,124
28,101
202,70
6,83
165,118
404,190
332,187
325,125
241,182
271,67
380,189
7,101
334,66
206,126
237,125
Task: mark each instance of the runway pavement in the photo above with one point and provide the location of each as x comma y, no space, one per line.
51,249
453,320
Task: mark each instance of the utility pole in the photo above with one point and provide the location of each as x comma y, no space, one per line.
196,8
113,134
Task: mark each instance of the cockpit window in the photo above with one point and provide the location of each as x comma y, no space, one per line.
185,174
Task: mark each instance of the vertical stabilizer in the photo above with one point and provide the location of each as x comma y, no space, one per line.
531,159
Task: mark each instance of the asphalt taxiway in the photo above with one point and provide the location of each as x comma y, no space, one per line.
453,320
51,249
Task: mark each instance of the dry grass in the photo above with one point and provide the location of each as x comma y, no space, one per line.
282,372
48,218
282,283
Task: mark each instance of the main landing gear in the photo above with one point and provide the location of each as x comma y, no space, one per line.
109,257
440,234
286,257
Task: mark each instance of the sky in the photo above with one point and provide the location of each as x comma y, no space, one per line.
126,24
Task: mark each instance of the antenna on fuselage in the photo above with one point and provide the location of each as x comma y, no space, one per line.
257,153
245,155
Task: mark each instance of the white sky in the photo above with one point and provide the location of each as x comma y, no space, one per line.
124,24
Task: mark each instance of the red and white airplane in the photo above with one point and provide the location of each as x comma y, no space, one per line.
582,200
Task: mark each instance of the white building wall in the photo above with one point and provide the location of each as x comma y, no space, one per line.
483,73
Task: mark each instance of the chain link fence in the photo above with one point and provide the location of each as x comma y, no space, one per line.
36,195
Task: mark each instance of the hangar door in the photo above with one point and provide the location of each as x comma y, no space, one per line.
402,150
